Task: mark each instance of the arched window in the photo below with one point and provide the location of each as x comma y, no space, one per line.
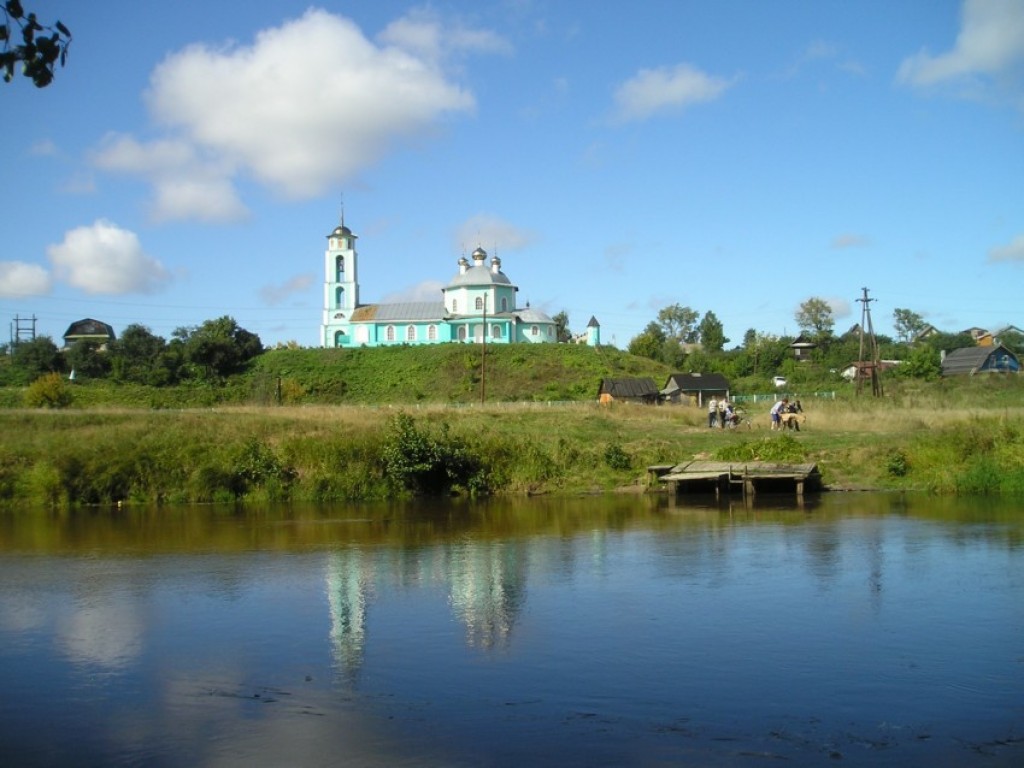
495,331
431,333
479,303
551,331
389,333
339,297
462,333
410,333
534,330
340,265
339,338
504,304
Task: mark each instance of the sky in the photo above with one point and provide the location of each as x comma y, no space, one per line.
737,157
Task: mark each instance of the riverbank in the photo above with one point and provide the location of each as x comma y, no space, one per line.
252,454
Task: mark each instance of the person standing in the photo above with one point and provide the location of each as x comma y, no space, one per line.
776,412
712,411
723,411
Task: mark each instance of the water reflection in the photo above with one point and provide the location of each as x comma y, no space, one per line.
621,631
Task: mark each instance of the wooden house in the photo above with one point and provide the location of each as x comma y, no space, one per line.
802,347
638,390
695,388
88,330
971,360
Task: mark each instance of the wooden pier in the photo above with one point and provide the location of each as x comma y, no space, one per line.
748,477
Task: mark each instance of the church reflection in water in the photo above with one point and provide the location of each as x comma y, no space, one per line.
485,583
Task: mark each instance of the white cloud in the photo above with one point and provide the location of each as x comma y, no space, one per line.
18,278
422,34
849,240
43,148
492,234
840,307
1013,251
105,259
185,184
990,42
306,106
275,294
654,90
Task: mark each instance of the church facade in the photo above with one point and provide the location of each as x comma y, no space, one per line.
480,300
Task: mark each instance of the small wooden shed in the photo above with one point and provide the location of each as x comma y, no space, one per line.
638,390
695,388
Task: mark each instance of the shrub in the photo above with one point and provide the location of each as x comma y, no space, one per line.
616,458
417,463
896,463
49,391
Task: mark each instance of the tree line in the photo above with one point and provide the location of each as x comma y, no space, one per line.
686,341
209,353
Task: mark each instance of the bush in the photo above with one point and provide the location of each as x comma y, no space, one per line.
896,463
49,391
616,458
416,463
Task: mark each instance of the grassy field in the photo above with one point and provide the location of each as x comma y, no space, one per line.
962,438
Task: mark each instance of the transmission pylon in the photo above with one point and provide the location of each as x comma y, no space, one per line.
868,368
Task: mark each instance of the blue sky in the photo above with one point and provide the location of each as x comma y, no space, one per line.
738,157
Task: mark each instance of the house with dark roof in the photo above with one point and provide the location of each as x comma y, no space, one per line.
802,347
634,390
88,330
971,360
695,388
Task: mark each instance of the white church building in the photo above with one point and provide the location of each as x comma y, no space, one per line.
479,300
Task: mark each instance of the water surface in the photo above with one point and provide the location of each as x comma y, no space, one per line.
863,628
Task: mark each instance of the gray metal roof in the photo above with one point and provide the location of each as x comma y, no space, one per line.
479,274
408,311
531,315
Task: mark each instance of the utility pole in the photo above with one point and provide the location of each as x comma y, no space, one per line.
22,329
874,367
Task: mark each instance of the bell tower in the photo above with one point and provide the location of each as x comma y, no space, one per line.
341,286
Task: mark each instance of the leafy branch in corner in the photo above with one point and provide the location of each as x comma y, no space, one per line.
40,47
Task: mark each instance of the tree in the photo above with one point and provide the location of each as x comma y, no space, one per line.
907,324
815,316
142,357
86,359
37,357
712,333
562,332
649,343
679,323
218,347
38,53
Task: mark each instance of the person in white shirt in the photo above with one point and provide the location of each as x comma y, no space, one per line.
776,412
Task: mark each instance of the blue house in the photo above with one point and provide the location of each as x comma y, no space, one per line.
479,300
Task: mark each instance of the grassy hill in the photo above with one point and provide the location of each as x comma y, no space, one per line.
445,373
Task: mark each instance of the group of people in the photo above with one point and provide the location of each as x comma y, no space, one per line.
721,413
783,414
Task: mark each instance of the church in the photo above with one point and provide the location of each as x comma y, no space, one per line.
479,300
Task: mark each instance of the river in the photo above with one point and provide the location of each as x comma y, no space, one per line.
871,629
